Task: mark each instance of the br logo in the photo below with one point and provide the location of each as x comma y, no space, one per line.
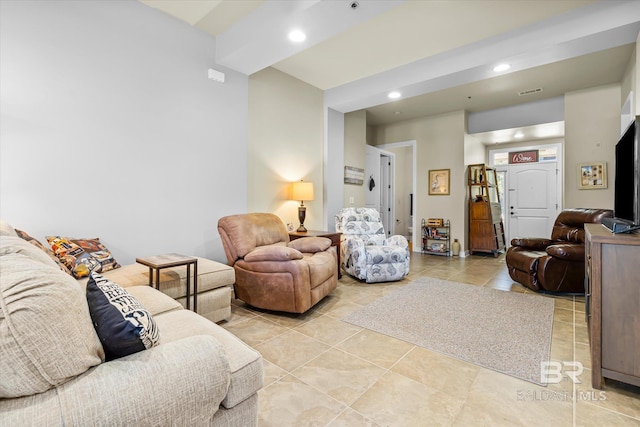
551,372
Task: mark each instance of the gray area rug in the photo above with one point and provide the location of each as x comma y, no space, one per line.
507,332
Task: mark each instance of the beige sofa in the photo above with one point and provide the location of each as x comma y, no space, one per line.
52,368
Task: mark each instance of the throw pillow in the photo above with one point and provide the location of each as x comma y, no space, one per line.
23,235
123,325
311,245
273,253
82,256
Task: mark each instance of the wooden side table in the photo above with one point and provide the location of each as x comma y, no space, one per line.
158,262
333,236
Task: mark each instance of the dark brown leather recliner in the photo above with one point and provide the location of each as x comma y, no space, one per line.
272,272
556,264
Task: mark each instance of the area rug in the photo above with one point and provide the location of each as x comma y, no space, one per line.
508,332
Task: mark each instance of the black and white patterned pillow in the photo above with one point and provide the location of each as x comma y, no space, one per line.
123,325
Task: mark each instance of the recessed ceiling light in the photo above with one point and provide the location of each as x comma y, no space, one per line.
297,36
501,67
394,95
518,135
397,113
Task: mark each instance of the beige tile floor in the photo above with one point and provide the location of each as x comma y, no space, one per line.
320,371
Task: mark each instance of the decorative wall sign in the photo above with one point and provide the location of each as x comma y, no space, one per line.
439,182
517,157
592,176
353,175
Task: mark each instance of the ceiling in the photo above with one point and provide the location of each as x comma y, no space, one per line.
439,54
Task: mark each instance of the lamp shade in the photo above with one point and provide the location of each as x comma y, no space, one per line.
302,191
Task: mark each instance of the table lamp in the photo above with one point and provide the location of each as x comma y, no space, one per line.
302,191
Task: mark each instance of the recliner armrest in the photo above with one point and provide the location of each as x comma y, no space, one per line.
397,240
567,251
531,243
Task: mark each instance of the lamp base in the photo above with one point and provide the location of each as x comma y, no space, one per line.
302,214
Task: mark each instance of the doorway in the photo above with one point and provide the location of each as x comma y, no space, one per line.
380,185
531,199
404,185
386,193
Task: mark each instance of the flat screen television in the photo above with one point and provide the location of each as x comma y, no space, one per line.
626,207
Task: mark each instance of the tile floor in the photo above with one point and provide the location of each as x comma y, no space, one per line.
320,371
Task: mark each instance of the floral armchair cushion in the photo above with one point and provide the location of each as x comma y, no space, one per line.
366,252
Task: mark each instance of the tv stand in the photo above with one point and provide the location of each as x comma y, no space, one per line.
611,296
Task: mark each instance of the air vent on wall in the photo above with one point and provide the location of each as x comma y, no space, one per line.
530,91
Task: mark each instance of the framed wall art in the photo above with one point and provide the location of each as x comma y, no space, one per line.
439,182
353,175
592,175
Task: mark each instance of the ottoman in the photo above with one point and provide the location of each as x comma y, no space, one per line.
215,284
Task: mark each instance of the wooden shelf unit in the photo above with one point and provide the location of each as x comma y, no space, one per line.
486,230
436,239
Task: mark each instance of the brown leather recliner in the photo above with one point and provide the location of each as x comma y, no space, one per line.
272,272
556,264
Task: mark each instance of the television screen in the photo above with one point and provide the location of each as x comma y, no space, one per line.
626,177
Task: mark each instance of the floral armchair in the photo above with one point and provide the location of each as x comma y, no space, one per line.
366,252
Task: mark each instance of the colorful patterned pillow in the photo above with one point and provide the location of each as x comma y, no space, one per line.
123,325
36,242
82,256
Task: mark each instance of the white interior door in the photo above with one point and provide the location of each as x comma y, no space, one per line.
379,182
532,199
386,194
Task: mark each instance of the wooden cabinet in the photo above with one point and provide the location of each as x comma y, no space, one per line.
612,297
486,230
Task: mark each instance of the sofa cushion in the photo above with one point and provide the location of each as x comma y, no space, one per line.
155,302
46,337
6,229
123,325
35,242
245,363
15,244
322,266
82,256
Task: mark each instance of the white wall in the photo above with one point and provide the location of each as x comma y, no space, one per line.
286,144
531,113
440,144
333,166
592,129
110,128
355,141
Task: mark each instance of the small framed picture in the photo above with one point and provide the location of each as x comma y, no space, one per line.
439,182
353,175
592,175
